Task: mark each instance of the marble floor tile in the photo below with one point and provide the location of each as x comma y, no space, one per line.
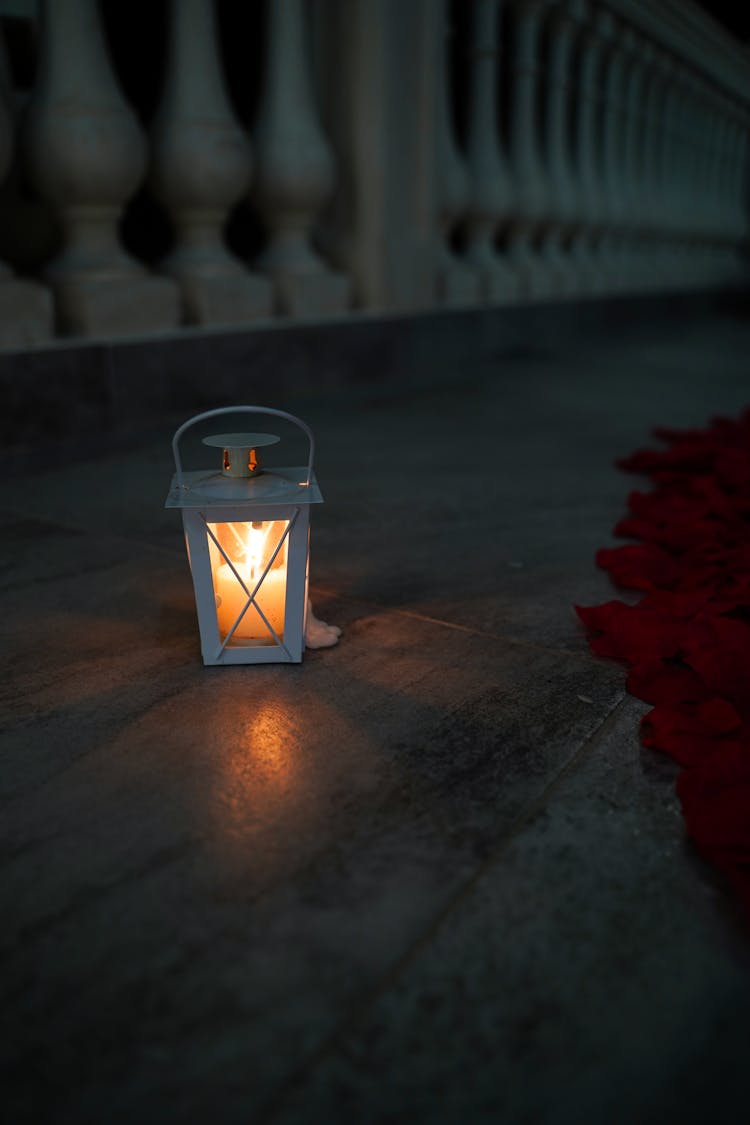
587,976
426,876
277,836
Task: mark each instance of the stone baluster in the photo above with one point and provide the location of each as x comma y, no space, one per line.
25,307
86,156
730,218
662,158
738,174
633,182
741,190
619,268
687,210
743,166
705,224
718,217
723,208
6,110
681,188
295,171
729,200
561,209
701,217
200,167
589,219
703,135
708,134
682,203
698,225
528,209
670,186
720,211
731,196
490,189
727,203
614,64
457,282
644,242
653,149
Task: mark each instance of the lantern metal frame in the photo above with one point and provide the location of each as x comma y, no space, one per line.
282,494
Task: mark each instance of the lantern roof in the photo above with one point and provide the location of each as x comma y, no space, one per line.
208,488
242,479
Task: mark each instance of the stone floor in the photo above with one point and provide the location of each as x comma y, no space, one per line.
428,876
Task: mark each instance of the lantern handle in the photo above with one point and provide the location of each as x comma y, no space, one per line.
245,410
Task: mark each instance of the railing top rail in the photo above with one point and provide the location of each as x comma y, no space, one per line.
691,33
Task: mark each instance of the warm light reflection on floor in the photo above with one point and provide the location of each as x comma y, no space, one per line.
274,770
271,737
258,765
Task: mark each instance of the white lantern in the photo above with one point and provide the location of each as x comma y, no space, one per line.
247,535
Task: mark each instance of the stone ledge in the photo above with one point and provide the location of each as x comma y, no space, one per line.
79,398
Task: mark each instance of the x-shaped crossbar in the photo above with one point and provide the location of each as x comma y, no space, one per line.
251,596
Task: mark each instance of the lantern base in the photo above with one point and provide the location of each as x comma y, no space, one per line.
252,642
262,654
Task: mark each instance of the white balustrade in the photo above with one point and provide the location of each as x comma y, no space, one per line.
619,163
490,185
200,167
86,156
295,171
25,306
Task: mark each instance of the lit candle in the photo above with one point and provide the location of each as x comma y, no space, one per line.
231,599
251,545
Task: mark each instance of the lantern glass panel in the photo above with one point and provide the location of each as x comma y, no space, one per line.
257,550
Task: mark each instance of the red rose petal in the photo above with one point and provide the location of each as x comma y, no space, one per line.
688,638
656,681
690,732
631,633
645,567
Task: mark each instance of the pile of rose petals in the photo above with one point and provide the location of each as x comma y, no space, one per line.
687,641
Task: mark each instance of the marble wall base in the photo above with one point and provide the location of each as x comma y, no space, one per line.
26,316
82,398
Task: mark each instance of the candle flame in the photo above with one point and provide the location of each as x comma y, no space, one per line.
254,547
251,542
